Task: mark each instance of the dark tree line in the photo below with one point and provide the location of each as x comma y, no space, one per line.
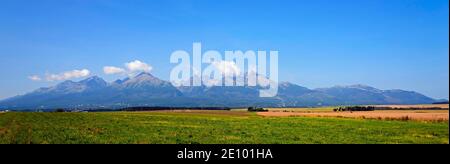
255,109
354,108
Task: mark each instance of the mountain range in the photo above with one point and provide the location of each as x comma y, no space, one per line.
147,90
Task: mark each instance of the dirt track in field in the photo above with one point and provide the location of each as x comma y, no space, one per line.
435,115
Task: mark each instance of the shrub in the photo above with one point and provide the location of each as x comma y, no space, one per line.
354,108
255,109
59,110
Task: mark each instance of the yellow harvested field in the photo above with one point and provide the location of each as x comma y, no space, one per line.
419,115
443,106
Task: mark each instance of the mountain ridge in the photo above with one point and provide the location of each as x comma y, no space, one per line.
147,90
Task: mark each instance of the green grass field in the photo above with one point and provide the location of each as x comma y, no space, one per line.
210,127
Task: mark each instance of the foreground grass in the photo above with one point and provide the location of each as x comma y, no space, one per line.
205,128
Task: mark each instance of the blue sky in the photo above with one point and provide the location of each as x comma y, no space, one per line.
388,44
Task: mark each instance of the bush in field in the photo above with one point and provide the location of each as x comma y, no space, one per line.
354,108
255,109
59,110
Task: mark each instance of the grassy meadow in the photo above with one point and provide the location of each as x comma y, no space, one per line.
210,127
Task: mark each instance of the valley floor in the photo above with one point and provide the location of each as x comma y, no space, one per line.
206,127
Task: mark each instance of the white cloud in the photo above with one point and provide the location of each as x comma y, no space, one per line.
138,66
131,68
228,68
35,78
68,75
109,70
